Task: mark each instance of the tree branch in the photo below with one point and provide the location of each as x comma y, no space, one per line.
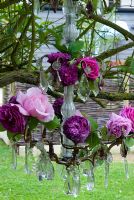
115,96
106,22
111,52
21,76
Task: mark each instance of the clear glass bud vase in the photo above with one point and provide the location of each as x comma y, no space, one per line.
67,110
72,181
14,155
44,166
70,28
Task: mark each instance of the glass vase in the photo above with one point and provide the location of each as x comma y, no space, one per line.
14,155
67,110
44,166
29,159
70,29
72,181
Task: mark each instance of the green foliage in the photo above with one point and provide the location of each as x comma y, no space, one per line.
32,122
93,87
13,136
129,142
1,128
93,139
55,123
76,46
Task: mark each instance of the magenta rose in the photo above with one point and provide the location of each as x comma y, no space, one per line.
118,125
35,104
128,112
11,118
90,67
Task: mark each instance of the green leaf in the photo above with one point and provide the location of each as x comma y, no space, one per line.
104,133
95,3
93,140
10,135
129,142
55,123
1,128
93,86
13,136
93,123
33,122
75,46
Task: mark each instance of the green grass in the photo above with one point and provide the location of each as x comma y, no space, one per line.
16,185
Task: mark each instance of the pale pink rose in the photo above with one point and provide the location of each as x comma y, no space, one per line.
118,125
34,103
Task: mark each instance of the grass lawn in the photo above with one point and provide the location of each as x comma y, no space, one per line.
16,185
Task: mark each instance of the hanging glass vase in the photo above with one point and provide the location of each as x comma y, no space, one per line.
107,162
36,7
29,159
70,29
72,181
44,166
88,172
67,110
43,78
14,155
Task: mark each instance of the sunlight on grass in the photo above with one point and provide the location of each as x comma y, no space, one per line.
16,185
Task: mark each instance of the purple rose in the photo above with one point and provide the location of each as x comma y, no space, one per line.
118,125
90,67
68,74
61,57
11,118
128,112
13,100
76,128
57,106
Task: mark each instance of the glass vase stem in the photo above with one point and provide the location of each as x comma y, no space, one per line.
14,156
106,173
67,110
126,167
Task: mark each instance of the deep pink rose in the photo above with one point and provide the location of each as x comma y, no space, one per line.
128,112
90,67
118,126
35,104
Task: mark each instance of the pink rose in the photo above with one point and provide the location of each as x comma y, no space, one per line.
34,103
118,126
128,112
90,67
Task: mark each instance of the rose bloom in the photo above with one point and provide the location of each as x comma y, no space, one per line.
36,104
77,129
57,106
128,112
90,67
118,126
61,57
11,118
13,100
68,74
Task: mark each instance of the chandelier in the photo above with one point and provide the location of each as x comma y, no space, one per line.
83,142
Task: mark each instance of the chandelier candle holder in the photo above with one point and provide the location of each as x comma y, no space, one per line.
70,77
